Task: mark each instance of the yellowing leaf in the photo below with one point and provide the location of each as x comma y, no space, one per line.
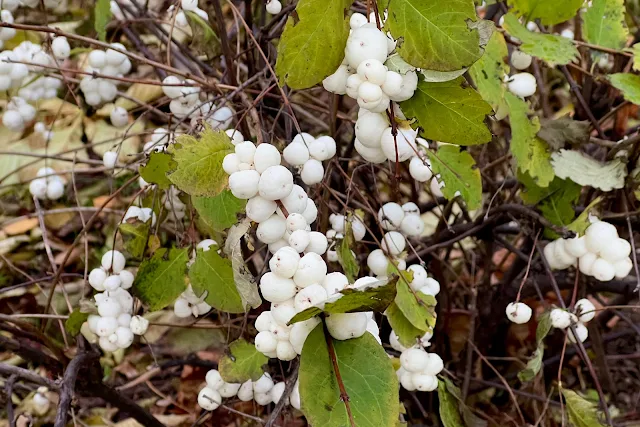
105,137
582,413
161,279
550,12
244,363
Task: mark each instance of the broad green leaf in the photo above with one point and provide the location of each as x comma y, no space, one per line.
581,223
449,112
73,324
535,363
635,49
312,46
213,274
550,12
157,168
435,35
628,84
582,413
604,25
346,256
161,278
531,153
199,163
406,332
585,170
556,50
459,172
449,413
135,237
101,17
417,307
373,297
204,40
565,130
368,377
243,363
219,212
556,202
488,73
245,282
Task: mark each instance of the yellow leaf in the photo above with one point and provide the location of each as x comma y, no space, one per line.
105,137
21,227
139,91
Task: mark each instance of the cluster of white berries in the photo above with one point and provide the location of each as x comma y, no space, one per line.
6,34
335,234
140,214
41,128
18,113
47,185
110,63
418,369
160,139
397,346
274,7
584,311
264,391
114,324
187,6
307,153
173,204
188,304
599,253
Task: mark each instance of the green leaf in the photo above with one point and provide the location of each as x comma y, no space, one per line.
101,17
435,35
161,279
396,63
628,84
581,223
531,153
556,202
406,332
549,12
449,112
417,307
488,73
604,25
73,324
135,237
157,168
449,413
582,413
635,49
585,170
368,377
243,363
312,46
346,256
535,362
372,297
556,50
199,163
214,274
459,172
219,212
204,41
245,282
564,130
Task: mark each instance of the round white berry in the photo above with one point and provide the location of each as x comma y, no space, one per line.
599,235
623,268
408,87
275,288
518,312
60,48
344,326
209,399
295,202
317,243
55,189
369,128
229,389
603,270
285,262
309,296
390,216
112,283
296,153
266,342
400,147
585,310
274,7
616,250
581,332
520,60
97,277
109,159
392,85
311,269
272,229
423,382
353,84
299,240
431,287
373,71
282,312
182,308
560,318
378,263
576,246
334,283
522,84
106,326
365,43
312,172
119,117
337,82
414,360
113,261
276,182
373,155
244,184
420,169
260,209
139,325
266,155
393,243
285,351
412,225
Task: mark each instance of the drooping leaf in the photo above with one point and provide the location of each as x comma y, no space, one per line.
73,324
157,168
161,278
243,363
556,50
417,307
604,24
530,152
435,35
372,297
101,17
449,112
245,282
368,377
535,362
213,274
199,163
563,131
449,413
468,417
459,172
312,47
628,84
585,170
582,413
135,235
406,332
489,71
204,41
550,12
346,256
219,212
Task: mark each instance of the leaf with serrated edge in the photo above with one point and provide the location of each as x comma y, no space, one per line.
243,363
214,274
530,152
219,212
368,377
459,172
417,307
435,35
628,84
312,47
582,413
157,168
449,112
550,12
488,73
161,279
603,24
199,163
585,170
245,282
556,50
406,332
